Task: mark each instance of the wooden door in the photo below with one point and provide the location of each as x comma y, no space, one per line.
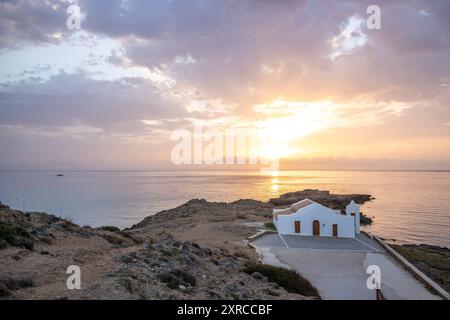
335,230
297,226
316,228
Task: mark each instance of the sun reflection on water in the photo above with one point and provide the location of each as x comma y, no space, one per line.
275,186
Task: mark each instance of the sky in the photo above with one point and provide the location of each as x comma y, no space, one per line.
306,77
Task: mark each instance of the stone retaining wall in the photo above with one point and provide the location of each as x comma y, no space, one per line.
419,275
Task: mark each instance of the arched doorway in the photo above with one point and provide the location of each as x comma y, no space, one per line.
316,228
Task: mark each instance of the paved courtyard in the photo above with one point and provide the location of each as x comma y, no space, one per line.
362,243
337,266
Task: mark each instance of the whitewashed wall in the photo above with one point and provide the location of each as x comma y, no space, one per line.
353,207
327,217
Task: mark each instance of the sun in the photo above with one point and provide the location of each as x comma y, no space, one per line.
275,151
288,122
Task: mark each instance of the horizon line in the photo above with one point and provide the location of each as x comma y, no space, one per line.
218,170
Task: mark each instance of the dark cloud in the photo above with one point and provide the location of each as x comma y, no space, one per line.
238,52
230,42
67,99
31,21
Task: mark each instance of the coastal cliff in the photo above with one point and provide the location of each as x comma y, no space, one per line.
195,251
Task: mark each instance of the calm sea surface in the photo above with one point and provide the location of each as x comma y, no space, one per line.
410,206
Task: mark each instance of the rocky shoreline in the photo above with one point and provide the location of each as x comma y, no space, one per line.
195,251
434,261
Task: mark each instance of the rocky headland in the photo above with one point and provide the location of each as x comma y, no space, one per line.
195,251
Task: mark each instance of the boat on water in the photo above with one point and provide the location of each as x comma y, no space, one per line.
60,175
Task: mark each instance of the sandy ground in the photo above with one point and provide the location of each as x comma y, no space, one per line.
337,267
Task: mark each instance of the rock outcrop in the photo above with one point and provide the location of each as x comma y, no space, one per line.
334,201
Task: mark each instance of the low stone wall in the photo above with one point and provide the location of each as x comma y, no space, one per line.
260,234
257,235
419,275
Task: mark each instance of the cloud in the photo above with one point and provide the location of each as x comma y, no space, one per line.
227,49
351,37
141,68
209,107
65,99
74,131
30,21
155,123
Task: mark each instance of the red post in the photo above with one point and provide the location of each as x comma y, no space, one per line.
379,295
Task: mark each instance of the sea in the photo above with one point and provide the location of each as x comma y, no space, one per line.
409,206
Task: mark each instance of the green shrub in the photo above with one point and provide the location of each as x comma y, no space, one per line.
290,280
126,283
16,236
174,278
16,284
184,276
125,258
110,228
115,240
270,225
8,285
169,279
3,244
8,232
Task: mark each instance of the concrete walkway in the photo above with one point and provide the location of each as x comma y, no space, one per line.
337,267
